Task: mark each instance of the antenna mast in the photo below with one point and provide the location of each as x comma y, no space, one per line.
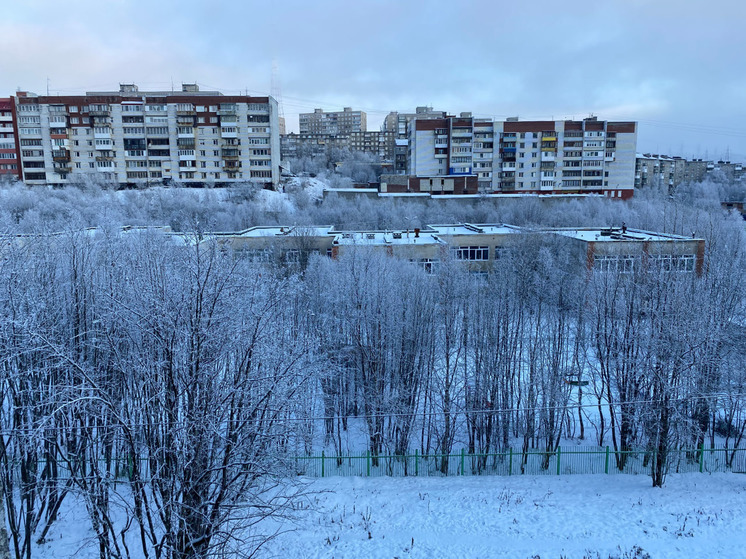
277,94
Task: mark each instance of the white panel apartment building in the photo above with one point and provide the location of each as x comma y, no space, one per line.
333,123
544,157
136,138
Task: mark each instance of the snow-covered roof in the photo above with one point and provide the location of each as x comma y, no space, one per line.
475,229
285,231
607,234
385,238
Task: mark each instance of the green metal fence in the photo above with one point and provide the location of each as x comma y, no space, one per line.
565,460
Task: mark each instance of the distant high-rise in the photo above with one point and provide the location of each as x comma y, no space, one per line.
333,123
134,137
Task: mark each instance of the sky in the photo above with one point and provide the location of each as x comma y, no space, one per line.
676,67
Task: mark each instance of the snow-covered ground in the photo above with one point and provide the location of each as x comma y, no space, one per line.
695,515
550,517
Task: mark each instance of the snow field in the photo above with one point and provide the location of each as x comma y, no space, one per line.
525,516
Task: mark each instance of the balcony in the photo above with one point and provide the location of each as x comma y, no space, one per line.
230,154
107,112
61,155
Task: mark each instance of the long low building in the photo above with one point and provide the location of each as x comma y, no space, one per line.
607,249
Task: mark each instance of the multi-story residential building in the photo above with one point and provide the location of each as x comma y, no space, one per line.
133,137
334,123
732,171
399,123
379,144
659,170
9,155
309,145
545,157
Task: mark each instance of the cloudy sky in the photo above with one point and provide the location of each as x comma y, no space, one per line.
676,67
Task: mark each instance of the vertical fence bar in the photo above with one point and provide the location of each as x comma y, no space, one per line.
416,462
462,461
322,463
559,452
701,457
510,462
368,460
606,464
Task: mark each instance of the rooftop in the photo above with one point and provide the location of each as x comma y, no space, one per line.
610,234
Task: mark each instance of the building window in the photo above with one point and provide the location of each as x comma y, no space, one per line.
471,253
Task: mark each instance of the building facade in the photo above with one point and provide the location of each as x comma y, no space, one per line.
9,154
134,138
652,170
544,157
659,170
477,246
333,123
378,144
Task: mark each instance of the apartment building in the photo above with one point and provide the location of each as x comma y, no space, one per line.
378,144
9,155
399,123
659,170
539,157
133,137
653,170
341,122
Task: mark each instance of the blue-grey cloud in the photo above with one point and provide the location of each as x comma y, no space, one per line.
674,66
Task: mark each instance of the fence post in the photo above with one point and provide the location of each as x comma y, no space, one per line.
510,462
368,456
462,461
559,452
416,462
701,457
322,463
606,465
